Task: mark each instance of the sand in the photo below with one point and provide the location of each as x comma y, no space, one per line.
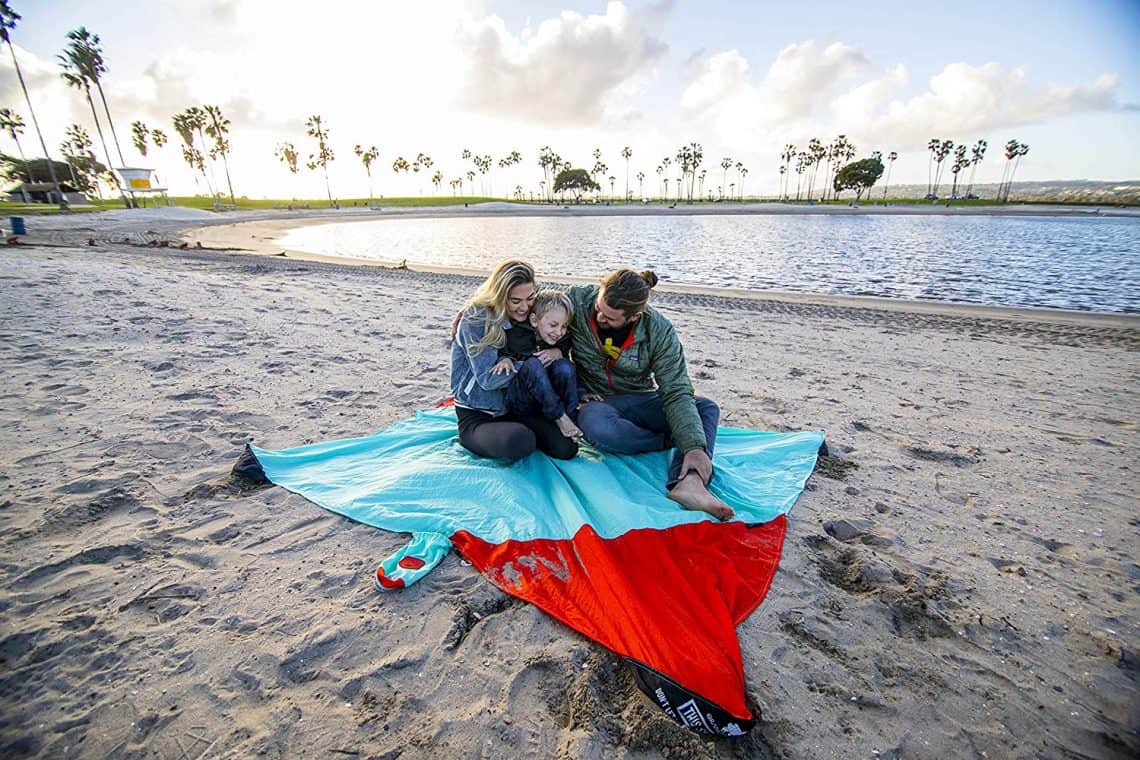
959,580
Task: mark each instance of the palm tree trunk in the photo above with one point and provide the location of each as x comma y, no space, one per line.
27,168
230,185
114,137
35,122
103,141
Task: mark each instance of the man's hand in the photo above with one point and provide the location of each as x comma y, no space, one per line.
503,367
587,398
698,460
548,356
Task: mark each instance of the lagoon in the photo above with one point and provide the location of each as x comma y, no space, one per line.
1086,264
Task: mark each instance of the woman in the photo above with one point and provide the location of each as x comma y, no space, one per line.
486,428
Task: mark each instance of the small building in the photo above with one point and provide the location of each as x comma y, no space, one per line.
44,192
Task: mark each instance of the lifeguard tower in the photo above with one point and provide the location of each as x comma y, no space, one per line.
137,181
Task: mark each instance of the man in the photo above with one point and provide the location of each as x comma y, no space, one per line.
637,393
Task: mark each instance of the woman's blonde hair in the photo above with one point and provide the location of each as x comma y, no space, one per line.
490,299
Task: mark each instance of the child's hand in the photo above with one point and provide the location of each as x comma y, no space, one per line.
503,367
548,356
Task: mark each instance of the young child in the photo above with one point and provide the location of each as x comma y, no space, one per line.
551,389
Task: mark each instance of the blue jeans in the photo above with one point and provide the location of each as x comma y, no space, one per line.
550,391
634,423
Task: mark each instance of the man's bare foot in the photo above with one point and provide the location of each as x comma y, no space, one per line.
690,492
567,427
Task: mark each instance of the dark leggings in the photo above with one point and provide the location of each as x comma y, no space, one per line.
510,437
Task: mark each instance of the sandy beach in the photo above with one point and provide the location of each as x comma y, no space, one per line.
959,580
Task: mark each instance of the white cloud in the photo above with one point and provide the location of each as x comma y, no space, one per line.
812,92
973,100
570,70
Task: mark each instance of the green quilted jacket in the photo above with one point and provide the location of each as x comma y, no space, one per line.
654,361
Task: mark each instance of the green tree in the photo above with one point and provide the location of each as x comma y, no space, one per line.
189,125
577,181
725,164
85,170
287,154
316,129
8,19
1014,153
626,153
977,153
932,147
140,137
858,176
960,163
367,157
785,163
87,57
940,155
218,128
11,123
891,157
641,184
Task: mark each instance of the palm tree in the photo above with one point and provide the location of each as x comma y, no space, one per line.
85,170
890,162
725,163
665,163
940,155
287,154
739,171
626,152
933,147
976,154
801,165
217,127
71,75
315,128
641,184
367,157
701,183
816,152
11,123
189,125
960,163
1020,151
437,180
140,137
786,159
8,19
743,174
86,55
660,170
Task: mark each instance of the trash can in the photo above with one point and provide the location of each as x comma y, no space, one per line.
17,224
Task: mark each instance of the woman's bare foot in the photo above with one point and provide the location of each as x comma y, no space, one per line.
567,427
690,492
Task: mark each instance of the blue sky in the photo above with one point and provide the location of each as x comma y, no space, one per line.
741,78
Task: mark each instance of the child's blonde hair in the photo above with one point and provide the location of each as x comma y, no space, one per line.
550,298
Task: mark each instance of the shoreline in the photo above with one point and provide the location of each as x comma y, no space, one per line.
259,237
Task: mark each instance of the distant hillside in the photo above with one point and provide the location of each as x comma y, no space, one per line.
1057,191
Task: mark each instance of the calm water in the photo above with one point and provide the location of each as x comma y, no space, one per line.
1059,262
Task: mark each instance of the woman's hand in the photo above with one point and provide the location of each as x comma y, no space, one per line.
587,398
503,367
548,356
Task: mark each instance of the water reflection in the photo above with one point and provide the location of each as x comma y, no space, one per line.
1088,264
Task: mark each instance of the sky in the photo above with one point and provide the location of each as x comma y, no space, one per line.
742,79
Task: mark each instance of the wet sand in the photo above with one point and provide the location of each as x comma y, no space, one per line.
959,580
